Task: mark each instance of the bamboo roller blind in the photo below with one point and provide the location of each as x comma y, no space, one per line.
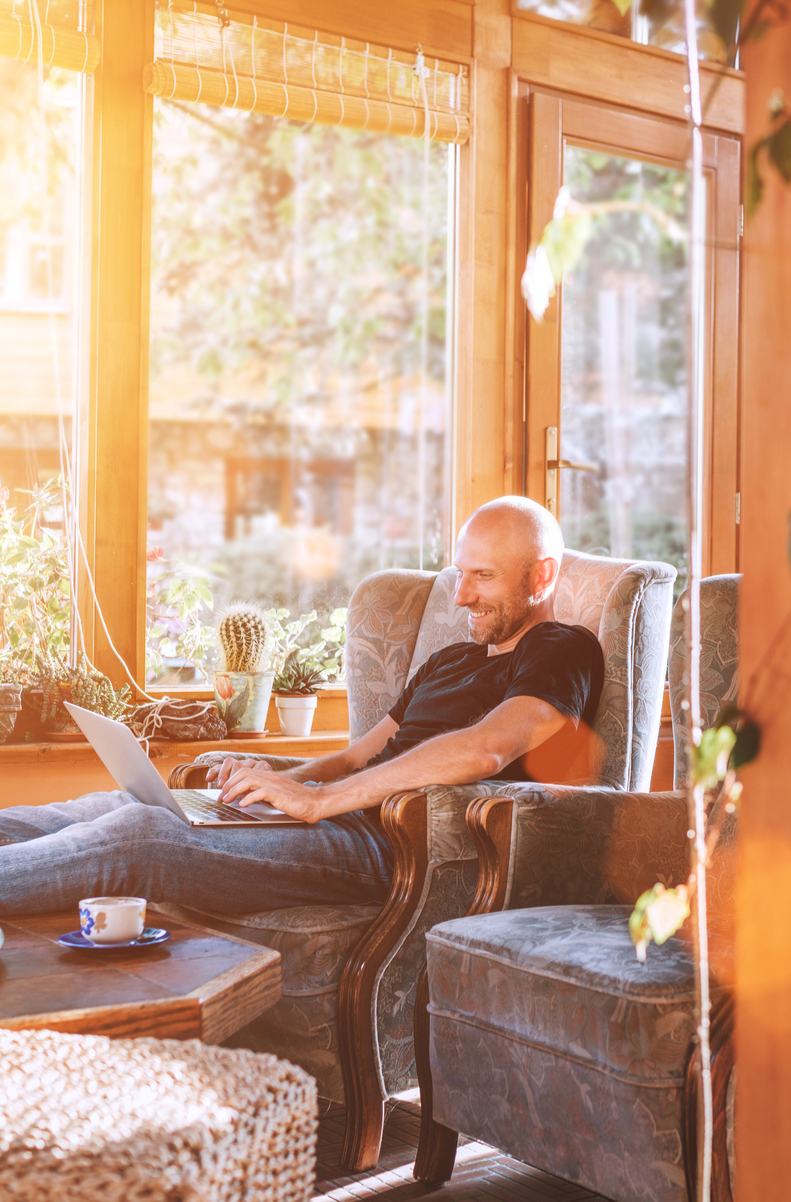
239,61
63,26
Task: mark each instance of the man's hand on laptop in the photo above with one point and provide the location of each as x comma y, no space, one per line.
217,775
253,781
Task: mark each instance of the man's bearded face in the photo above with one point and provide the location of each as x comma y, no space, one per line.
495,621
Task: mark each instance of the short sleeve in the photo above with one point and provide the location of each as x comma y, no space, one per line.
562,666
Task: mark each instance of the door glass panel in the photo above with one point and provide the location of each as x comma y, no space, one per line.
623,365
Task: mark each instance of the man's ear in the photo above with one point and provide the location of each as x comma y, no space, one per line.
546,573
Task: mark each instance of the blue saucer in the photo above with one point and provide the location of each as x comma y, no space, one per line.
150,936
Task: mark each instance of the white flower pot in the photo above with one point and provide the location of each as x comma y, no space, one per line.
295,712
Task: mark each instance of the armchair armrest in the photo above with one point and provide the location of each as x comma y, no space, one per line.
582,846
434,877
193,776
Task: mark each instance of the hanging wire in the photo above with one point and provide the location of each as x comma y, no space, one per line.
421,72
697,269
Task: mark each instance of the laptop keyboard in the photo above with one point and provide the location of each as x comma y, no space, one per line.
196,804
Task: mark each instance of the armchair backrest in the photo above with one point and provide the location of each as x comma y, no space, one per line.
719,661
397,619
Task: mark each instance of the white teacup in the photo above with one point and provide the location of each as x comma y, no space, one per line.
112,919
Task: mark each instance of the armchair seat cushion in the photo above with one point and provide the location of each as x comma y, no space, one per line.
565,980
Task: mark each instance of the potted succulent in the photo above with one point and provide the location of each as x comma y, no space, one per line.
243,686
295,691
84,685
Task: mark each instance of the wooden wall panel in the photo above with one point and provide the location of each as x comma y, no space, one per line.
763,946
607,68
442,27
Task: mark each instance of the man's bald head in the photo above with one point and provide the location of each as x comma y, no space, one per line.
508,554
521,526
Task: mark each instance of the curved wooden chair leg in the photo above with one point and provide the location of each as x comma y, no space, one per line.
490,820
436,1153
405,819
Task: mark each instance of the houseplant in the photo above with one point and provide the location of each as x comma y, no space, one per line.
83,685
10,705
295,691
243,686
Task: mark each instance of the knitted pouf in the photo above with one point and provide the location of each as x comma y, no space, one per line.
85,1118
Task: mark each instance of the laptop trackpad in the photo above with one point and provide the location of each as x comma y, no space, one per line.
258,809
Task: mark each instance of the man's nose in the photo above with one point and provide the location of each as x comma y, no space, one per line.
465,594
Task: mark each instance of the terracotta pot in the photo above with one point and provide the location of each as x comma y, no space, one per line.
59,724
295,711
10,706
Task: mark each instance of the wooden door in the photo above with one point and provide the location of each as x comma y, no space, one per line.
606,369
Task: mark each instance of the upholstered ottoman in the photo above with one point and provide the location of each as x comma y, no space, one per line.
549,1040
89,1119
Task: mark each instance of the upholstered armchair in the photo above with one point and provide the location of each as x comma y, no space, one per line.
350,972
544,1036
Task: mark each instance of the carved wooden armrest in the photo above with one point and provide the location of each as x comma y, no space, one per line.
434,877
193,776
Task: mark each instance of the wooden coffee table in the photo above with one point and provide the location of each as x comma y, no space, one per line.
197,985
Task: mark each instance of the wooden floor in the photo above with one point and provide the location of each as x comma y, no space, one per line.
482,1174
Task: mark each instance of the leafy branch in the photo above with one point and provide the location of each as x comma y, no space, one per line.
564,240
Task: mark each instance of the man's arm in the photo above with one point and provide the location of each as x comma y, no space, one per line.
459,757
327,768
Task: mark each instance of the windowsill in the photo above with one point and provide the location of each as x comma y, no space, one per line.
202,692
320,742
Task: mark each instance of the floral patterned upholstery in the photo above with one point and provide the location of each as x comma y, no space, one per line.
396,620
548,1039
719,660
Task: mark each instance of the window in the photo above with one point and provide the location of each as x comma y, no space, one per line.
38,226
298,400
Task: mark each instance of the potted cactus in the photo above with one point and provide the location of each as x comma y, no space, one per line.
295,690
243,686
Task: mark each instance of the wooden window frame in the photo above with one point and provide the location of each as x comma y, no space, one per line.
507,54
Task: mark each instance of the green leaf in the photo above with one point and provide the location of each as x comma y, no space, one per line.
747,745
710,758
779,145
565,239
658,914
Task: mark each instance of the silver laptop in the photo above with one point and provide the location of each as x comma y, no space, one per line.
132,770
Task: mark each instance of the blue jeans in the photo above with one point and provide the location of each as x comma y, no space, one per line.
109,843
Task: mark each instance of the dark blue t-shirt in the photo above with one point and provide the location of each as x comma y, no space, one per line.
461,684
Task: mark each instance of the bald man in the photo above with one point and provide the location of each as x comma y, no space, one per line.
515,703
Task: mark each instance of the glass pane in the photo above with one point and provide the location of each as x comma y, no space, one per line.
663,27
298,413
38,229
623,373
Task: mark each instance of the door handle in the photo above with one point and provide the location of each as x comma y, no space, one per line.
575,467
552,466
